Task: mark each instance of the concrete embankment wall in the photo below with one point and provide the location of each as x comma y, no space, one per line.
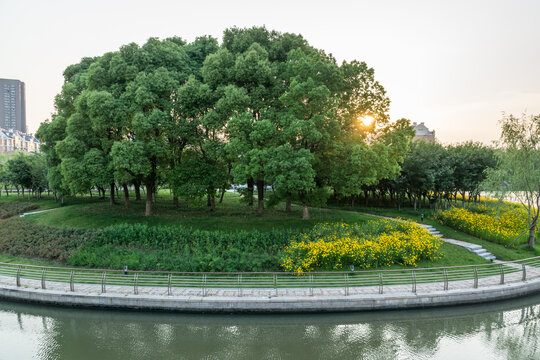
281,304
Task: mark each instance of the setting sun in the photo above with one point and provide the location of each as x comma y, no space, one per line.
366,120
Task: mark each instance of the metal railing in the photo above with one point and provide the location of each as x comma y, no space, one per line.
268,283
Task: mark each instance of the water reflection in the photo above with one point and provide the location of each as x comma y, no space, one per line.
507,330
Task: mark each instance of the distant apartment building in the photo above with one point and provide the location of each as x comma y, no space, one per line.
423,133
12,105
14,140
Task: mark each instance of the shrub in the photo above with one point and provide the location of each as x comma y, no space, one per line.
9,209
501,225
333,246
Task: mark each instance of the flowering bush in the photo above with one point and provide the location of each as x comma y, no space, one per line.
377,243
498,224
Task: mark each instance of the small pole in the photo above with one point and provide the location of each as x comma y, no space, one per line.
346,284
413,281
125,269
239,287
445,272
310,284
380,283
204,285
275,284
43,278
135,284
169,281
524,277
19,276
475,285
71,281
103,289
501,268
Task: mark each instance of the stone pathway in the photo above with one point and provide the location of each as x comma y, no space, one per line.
36,212
474,248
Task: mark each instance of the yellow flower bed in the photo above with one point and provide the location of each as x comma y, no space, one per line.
500,225
334,246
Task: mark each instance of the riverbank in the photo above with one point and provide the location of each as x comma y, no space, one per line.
489,283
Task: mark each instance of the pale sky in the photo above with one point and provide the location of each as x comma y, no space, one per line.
454,65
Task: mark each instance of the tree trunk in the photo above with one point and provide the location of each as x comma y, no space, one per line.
288,206
176,202
5,187
260,196
415,203
222,195
111,200
126,196
305,212
212,201
531,236
250,185
149,195
137,191
90,193
55,197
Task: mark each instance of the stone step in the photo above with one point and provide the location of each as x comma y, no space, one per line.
473,247
481,252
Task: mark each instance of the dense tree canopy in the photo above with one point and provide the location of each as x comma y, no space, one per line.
261,109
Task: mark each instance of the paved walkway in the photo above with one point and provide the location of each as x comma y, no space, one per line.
513,274
36,212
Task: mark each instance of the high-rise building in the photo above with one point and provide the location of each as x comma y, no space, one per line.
12,105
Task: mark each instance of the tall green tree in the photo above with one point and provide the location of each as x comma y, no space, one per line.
518,173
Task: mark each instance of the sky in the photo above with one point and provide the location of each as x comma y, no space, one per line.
454,65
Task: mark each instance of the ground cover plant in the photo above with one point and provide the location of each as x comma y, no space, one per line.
502,223
9,209
335,246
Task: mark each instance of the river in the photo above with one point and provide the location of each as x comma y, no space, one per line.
502,330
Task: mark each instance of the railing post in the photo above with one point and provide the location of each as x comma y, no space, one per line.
239,285
203,285
43,278
380,282
19,276
169,281
103,278
445,272
135,284
475,285
71,281
413,281
346,284
501,268
275,284
524,277
311,284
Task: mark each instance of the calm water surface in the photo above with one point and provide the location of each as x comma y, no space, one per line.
504,330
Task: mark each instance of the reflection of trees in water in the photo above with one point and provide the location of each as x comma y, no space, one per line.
113,335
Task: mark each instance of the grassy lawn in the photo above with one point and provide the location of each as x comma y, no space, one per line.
231,215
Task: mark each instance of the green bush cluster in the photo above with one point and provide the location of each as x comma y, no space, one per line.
144,247
9,209
19,237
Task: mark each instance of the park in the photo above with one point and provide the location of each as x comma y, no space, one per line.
257,173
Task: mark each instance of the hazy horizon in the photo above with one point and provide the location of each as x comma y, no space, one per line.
454,66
